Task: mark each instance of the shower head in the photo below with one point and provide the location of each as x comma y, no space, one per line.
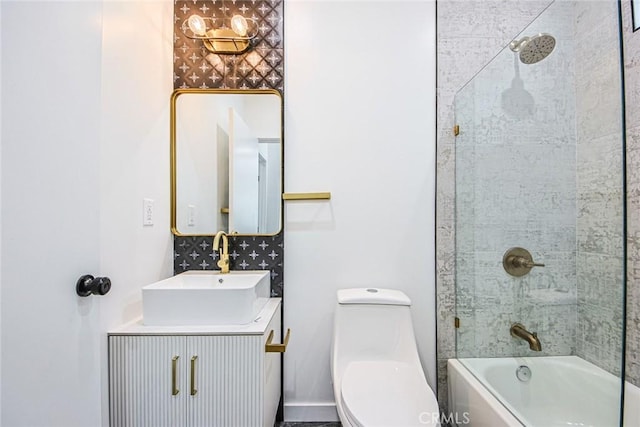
533,49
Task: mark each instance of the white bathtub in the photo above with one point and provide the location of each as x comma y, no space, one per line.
562,391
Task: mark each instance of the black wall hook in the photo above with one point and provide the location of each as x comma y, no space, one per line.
87,285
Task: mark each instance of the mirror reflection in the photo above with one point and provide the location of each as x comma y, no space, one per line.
226,158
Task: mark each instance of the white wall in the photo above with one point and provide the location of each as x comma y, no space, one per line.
360,122
85,137
137,67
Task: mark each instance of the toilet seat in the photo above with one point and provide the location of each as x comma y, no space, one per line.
387,393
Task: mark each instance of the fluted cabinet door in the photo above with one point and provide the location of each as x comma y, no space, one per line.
228,381
194,380
142,389
272,374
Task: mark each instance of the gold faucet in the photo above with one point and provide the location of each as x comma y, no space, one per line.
519,331
223,262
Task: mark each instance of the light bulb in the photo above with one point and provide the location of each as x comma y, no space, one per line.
197,25
239,25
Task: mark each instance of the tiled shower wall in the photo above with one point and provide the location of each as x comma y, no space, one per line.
464,27
261,67
599,252
469,34
515,178
632,119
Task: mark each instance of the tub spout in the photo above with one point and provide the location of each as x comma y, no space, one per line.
519,331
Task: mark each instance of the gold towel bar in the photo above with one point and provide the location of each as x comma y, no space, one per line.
306,196
277,348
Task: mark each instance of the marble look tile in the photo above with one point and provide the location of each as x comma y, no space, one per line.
555,324
558,20
633,318
479,18
633,247
599,111
601,235
460,59
599,335
442,387
445,314
633,176
590,14
469,35
627,29
599,280
445,242
599,162
541,237
632,68
445,190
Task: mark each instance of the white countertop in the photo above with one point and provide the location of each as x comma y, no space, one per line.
257,327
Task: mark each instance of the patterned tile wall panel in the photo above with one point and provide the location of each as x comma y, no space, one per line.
245,253
632,107
261,67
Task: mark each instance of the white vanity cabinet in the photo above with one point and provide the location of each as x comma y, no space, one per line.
196,376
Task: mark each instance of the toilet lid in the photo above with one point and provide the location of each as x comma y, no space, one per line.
388,393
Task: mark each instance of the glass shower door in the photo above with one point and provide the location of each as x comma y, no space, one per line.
539,167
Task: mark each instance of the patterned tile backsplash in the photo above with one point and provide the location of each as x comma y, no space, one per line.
261,67
245,253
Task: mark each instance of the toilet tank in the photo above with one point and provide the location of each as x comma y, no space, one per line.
372,324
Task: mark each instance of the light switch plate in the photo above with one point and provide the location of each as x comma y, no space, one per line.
147,212
191,217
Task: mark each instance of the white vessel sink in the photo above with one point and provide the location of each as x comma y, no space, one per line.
206,298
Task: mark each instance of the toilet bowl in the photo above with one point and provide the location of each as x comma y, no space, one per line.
377,377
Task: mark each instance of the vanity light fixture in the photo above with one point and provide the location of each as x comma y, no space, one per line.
233,38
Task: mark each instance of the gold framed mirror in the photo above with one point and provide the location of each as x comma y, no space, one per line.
226,162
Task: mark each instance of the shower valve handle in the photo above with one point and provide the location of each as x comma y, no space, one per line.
518,262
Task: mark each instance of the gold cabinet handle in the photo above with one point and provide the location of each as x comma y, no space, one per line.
277,348
193,375
174,375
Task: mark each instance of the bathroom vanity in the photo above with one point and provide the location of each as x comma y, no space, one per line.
218,375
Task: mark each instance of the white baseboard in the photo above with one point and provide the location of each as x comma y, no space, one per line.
310,412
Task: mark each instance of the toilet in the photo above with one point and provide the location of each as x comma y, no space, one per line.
378,380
